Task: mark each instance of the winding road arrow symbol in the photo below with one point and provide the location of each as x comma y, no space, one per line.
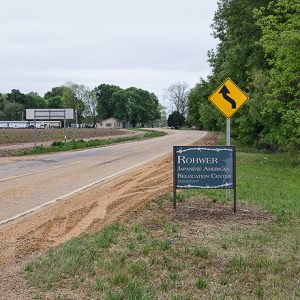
224,91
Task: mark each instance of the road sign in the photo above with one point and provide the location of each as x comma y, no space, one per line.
204,167
50,114
228,98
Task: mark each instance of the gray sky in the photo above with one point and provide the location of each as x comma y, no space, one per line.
148,44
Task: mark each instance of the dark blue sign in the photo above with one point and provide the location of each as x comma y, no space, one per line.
209,167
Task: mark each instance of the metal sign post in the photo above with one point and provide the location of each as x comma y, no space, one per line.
174,177
227,144
34,130
50,114
65,131
228,98
234,184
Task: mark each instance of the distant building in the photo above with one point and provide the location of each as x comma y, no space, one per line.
111,123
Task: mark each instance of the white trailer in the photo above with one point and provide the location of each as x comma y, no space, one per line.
45,124
30,124
14,124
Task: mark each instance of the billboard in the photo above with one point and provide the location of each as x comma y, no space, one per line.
50,114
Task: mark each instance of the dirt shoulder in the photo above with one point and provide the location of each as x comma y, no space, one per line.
86,212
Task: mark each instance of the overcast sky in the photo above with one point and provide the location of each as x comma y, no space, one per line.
148,44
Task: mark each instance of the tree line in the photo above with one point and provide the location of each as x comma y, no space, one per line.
133,105
259,42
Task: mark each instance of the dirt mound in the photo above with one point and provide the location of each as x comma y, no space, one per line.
213,212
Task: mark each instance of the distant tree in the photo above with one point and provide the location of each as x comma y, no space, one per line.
54,98
2,99
34,100
105,104
201,112
90,101
155,110
57,91
16,96
177,94
162,121
54,102
176,119
143,107
19,102
119,100
75,97
12,111
135,105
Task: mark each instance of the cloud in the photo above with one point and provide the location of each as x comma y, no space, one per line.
139,43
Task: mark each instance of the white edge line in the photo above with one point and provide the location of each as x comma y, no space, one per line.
78,190
85,187
40,171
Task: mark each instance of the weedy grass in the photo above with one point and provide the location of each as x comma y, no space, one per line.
13,136
58,146
201,251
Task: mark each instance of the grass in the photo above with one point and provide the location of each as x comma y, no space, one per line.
13,136
264,179
82,144
202,251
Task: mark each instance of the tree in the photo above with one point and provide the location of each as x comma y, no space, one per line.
280,39
54,98
155,110
176,119
34,100
54,102
143,107
75,97
177,93
105,105
12,111
201,113
17,97
162,121
135,105
90,101
240,57
259,49
120,100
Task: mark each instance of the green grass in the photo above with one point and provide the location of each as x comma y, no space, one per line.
201,283
265,179
188,255
82,144
13,136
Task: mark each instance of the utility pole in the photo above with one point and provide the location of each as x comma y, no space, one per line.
76,118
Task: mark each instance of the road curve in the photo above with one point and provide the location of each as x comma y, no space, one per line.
29,183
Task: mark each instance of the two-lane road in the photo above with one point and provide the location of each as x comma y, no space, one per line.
27,184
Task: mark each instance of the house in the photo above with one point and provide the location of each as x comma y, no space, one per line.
111,123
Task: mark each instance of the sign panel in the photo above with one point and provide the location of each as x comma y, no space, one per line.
209,167
50,114
228,98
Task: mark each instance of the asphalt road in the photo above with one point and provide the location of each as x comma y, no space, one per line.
29,183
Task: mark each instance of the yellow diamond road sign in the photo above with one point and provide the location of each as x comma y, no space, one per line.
228,98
